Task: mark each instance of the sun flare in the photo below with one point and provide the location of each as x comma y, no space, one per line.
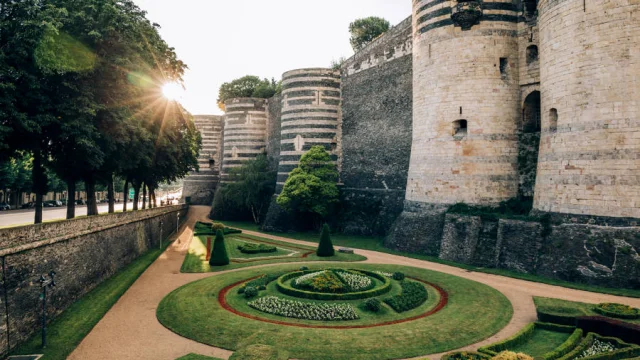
173,91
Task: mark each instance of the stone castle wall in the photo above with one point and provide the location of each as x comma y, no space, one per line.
83,253
245,131
200,186
590,147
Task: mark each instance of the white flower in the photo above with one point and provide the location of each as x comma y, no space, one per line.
356,282
300,310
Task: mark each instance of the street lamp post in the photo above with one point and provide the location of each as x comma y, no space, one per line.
45,283
177,223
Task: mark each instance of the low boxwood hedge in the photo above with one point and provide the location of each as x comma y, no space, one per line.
413,295
563,316
625,350
291,291
566,347
620,311
525,334
465,355
620,329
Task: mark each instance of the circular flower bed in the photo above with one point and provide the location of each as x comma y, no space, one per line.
333,284
620,311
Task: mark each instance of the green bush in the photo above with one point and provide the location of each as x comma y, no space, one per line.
373,305
398,276
523,336
413,295
289,290
250,292
557,315
303,268
217,226
510,355
465,355
219,255
566,347
620,311
251,248
259,283
624,350
325,247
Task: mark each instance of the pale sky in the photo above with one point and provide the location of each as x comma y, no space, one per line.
221,40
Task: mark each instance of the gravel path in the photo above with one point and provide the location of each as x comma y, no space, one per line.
130,329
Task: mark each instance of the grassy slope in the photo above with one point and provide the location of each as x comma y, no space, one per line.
376,244
67,330
195,262
571,308
541,342
475,312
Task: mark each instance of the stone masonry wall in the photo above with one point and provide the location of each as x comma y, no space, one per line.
590,86
201,185
82,252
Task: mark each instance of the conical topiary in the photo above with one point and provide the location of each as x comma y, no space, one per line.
325,248
219,256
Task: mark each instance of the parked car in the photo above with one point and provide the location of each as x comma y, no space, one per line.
5,207
29,205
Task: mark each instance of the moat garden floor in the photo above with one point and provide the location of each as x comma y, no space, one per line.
131,330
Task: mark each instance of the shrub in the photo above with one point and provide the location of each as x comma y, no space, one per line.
617,311
325,247
262,288
465,355
398,276
373,305
622,350
566,347
259,283
413,295
250,292
287,289
219,256
251,248
217,226
510,355
303,268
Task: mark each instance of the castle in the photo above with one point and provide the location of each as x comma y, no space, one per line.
475,102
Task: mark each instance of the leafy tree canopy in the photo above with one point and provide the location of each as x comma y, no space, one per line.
311,187
248,86
363,31
251,187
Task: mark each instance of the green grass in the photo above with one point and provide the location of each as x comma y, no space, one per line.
541,342
66,331
571,308
474,312
195,260
196,357
376,244
233,241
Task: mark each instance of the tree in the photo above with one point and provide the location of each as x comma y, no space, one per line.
219,256
251,187
311,187
247,86
325,247
363,31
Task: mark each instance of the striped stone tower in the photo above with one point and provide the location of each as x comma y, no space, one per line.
245,131
200,186
310,116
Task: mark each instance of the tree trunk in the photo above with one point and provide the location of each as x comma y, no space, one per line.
39,184
125,192
136,195
71,199
144,196
111,195
92,204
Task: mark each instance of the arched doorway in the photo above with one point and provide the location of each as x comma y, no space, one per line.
529,145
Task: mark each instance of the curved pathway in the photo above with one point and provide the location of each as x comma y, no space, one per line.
130,329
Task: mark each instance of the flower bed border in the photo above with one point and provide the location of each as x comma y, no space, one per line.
614,314
444,299
311,295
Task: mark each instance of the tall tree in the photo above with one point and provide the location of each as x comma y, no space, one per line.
251,187
248,86
363,31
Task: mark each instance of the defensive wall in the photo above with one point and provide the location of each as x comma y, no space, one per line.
83,252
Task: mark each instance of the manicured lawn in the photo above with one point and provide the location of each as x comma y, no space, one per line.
570,308
233,241
376,244
196,357
195,260
541,342
67,330
474,312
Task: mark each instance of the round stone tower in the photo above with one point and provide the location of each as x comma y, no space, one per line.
310,116
590,89
466,102
245,132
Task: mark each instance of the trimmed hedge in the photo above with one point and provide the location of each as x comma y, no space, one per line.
219,255
566,347
619,311
465,355
556,316
610,327
413,295
291,291
524,335
203,229
625,350
251,248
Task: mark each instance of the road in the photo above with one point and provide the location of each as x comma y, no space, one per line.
25,217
